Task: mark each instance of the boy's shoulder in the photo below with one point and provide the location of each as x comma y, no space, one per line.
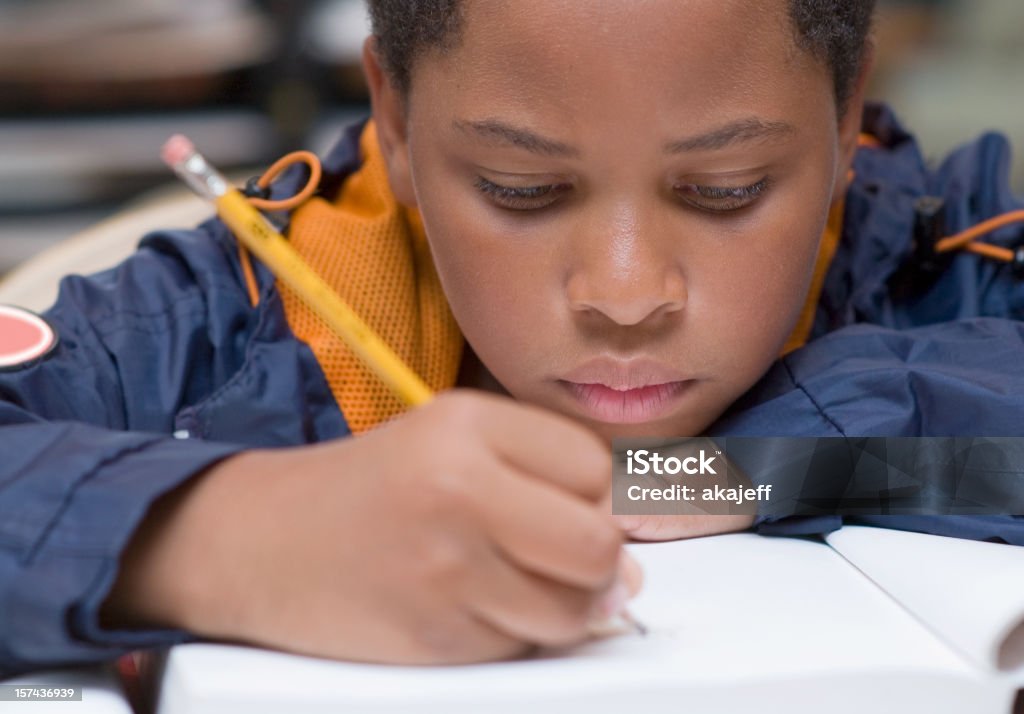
885,270
899,347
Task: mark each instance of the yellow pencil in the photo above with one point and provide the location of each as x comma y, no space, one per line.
256,233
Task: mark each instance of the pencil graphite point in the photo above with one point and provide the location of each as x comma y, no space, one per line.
637,626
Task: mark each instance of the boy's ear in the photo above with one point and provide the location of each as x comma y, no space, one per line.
850,124
388,107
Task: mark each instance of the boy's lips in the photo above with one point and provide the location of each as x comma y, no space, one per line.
631,392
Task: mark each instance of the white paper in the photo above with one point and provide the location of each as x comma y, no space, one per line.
969,592
737,622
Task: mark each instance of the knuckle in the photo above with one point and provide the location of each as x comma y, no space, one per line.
446,489
443,561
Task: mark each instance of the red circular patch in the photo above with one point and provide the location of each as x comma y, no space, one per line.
24,337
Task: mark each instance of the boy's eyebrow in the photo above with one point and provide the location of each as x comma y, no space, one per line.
749,129
737,131
495,129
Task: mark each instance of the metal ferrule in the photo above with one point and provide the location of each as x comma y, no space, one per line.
202,178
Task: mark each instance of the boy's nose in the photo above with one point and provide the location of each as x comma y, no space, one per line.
630,301
627,277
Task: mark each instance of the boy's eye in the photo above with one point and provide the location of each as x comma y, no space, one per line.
716,199
526,198
721,199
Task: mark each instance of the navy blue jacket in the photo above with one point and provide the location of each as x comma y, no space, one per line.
163,368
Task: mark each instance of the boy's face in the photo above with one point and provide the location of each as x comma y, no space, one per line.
624,199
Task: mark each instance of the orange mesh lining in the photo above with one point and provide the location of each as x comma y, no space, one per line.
826,251
373,252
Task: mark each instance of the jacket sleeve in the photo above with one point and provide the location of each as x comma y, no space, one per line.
953,379
85,438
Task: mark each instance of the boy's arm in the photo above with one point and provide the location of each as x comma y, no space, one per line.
84,440
70,497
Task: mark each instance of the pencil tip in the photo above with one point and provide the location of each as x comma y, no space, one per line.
638,626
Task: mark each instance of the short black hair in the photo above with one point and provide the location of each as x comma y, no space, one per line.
834,31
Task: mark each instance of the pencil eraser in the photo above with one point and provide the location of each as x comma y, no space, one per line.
176,150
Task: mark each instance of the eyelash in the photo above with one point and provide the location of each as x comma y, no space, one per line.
717,199
713,199
529,198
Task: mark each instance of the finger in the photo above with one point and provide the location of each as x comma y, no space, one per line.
550,447
548,531
660,528
630,573
532,608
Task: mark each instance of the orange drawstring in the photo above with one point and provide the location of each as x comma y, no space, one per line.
286,204
867,141
280,166
967,239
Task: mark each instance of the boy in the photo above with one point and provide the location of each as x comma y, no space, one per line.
631,210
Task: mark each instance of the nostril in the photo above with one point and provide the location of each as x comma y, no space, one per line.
627,312
628,303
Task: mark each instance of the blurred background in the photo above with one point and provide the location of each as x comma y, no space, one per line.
90,89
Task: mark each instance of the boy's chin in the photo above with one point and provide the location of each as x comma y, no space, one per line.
672,427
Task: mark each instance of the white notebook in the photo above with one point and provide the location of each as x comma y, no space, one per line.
874,620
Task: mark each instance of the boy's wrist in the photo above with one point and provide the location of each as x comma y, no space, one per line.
170,572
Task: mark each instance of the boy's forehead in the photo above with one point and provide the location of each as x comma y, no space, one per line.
644,27
695,55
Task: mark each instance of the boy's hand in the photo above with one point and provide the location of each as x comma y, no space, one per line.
470,529
653,528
